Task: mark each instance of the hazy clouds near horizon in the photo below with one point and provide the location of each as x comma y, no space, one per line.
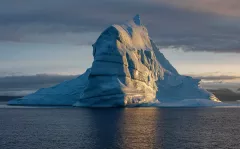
21,85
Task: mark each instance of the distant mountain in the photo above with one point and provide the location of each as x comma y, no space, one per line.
7,98
225,94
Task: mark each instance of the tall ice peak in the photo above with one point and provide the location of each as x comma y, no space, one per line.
137,20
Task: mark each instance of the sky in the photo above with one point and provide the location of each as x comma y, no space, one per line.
53,38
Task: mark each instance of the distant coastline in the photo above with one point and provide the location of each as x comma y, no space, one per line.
225,94
7,98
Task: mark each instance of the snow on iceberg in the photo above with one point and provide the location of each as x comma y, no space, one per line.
128,69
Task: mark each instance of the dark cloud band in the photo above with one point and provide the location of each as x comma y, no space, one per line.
217,78
169,23
25,83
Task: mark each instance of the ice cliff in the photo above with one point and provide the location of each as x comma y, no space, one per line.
128,69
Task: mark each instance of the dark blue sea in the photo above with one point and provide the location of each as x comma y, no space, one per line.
119,128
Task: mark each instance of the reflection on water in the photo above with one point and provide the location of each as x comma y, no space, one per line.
139,133
121,128
125,128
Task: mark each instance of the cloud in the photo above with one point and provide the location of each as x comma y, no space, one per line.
217,81
217,78
21,85
199,25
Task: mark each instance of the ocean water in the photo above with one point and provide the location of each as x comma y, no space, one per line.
123,128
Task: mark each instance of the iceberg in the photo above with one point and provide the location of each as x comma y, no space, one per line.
128,70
